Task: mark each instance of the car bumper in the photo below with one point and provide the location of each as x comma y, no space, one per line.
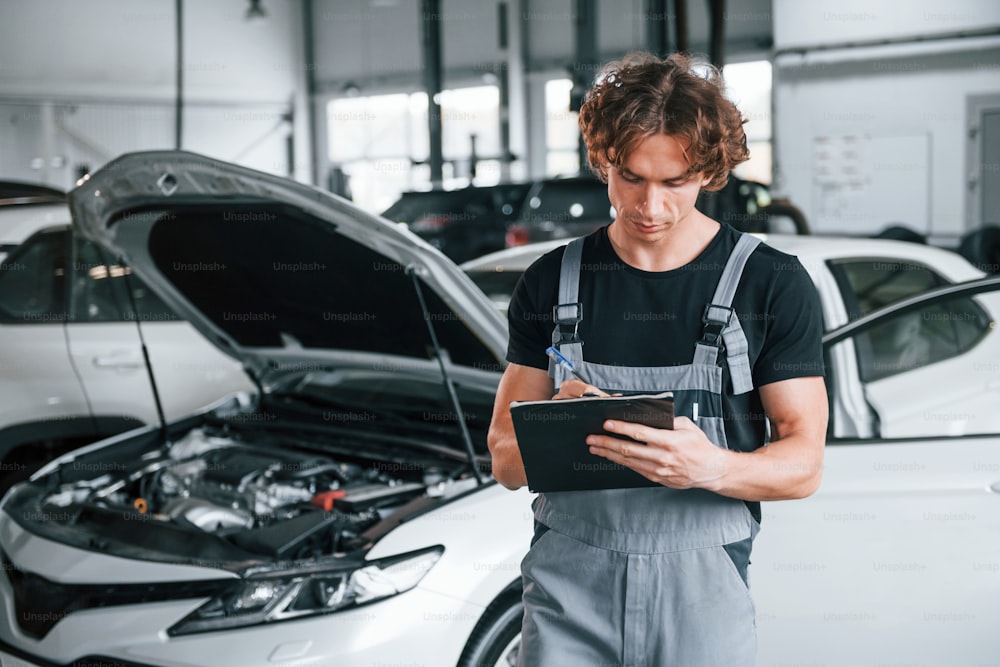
419,627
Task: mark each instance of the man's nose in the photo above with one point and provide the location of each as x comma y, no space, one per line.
652,202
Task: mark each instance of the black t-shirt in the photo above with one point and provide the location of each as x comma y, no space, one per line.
639,318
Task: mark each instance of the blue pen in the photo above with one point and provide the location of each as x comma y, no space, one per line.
564,362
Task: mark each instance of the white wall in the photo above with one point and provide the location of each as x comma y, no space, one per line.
873,135
124,49
103,71
833,22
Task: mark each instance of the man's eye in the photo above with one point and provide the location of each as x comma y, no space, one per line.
631,179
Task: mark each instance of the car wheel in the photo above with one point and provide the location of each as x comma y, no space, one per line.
496,641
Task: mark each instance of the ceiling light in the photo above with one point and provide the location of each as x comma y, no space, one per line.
255,11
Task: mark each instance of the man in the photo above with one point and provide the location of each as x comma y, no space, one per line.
664,298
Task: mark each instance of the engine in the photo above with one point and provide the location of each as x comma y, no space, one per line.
269,500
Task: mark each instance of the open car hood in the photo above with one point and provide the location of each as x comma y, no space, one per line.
283,276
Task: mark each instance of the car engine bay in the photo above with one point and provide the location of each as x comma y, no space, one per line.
267,495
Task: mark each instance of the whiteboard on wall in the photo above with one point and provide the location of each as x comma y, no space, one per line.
863,183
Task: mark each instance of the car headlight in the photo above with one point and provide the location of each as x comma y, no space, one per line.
271,598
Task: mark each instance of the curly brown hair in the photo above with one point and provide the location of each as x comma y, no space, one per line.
642,95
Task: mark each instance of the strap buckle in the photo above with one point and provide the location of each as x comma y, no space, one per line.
566,315
715,322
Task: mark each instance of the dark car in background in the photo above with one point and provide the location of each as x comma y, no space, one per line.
471,222
463,224
559,208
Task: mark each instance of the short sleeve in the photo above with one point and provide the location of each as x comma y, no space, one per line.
793,338
529,323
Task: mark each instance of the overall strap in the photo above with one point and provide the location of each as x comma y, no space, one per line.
721,324
568,311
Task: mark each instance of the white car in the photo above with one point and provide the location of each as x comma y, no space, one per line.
24,209
72,365
345,515
853,276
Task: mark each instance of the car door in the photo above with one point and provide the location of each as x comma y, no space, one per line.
896,559
41,397
113,313
905,359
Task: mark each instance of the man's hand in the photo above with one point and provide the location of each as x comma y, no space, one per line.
574,388
790,466
681,458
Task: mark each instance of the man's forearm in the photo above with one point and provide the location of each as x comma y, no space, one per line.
519,383
508,468
785,469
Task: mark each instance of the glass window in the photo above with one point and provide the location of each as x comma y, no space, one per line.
562,132
93,292
915,339
375,140
381,142
867,284
749,86
467,113
32,280
99,290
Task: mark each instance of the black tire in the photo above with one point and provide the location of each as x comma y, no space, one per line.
497,635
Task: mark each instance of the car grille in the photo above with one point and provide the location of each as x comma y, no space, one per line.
40,603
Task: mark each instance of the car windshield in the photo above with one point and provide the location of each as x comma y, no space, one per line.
497,285
414,205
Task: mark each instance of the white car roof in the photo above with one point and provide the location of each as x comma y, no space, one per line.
810,249
816,249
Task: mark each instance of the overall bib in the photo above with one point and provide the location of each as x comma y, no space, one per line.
645,577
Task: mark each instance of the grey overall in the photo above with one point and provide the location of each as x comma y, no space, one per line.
645,577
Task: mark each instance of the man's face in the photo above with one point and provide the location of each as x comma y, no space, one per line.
650,192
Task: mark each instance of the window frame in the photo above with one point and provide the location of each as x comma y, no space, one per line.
847,335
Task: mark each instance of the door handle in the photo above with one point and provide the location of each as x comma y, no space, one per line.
117,361
995,486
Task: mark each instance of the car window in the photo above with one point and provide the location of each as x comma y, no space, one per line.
32,280
151,308
870,283
93,298
99,290
497,285
415,205
914,339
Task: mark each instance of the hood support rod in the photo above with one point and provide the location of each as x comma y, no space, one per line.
145,350
448,384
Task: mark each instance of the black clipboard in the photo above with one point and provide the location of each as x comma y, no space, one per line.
552,438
